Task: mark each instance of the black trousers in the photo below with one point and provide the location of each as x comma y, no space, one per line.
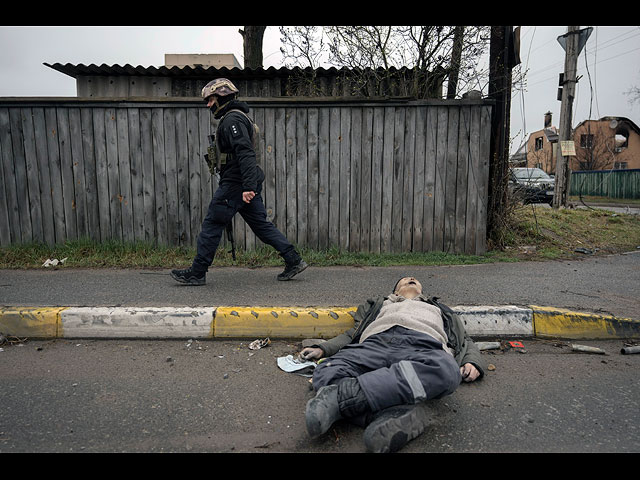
226,202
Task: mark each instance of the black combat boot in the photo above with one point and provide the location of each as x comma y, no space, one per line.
292,269
189,277
394,427
334,402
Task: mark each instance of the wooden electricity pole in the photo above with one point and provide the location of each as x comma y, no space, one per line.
566,112
501,61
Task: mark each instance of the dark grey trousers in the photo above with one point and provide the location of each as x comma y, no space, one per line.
226,202
395,367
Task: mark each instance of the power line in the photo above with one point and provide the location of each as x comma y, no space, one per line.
603,46
592,64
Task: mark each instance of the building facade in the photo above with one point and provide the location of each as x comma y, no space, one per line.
610,143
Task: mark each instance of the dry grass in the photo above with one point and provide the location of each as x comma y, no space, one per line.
546,233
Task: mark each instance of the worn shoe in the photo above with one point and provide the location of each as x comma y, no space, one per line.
322,411
189,277
394,427
292,270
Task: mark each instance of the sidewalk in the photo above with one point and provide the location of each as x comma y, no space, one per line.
590,298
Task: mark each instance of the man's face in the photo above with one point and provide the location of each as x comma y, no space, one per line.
408,287
211,101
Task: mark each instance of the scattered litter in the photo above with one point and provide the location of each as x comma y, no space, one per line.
258,344
54,262
630,350
487,345
293,364
586,251
491,367
583,348
11,340
516,344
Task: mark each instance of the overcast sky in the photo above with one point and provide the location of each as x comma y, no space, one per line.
612,63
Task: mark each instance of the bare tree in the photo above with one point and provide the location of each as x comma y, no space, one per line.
634,95
372,52
595,152
302,46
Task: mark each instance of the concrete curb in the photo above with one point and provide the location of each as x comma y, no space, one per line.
290,322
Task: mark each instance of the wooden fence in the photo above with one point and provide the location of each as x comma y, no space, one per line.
376,176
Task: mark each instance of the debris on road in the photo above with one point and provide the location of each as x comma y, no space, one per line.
586,349
11,339
54,262
258,344
503,346
630,350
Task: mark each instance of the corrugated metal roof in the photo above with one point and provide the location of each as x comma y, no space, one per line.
175,71
116,70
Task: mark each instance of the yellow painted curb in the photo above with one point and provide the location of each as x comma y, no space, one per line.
32,322
281,322
558,322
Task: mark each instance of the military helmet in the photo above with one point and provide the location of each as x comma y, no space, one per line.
220,87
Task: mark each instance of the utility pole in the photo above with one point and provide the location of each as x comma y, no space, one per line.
503,56
572,41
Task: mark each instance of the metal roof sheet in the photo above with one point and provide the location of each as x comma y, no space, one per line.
76,70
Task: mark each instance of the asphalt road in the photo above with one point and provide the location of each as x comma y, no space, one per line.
597,284
220,396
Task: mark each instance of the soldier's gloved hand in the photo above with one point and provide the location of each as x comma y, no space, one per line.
469,372
311,353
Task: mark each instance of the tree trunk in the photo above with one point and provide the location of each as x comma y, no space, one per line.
456,59
252,40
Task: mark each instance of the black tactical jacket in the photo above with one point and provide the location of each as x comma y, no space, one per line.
234,137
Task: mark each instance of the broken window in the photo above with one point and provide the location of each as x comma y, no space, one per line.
539,144
621,139
586,140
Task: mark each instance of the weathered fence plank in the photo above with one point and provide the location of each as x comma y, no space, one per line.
360,176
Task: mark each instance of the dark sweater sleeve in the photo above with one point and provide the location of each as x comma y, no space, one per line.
472,355
333,345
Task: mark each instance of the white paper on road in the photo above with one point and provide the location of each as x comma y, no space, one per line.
295,365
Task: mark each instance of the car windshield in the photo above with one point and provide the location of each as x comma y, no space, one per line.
530,174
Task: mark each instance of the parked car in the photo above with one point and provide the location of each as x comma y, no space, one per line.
531,185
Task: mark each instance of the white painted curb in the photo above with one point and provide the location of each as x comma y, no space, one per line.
500,320
138,322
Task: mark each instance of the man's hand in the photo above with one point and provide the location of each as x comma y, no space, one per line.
247,196
311,353
469,372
